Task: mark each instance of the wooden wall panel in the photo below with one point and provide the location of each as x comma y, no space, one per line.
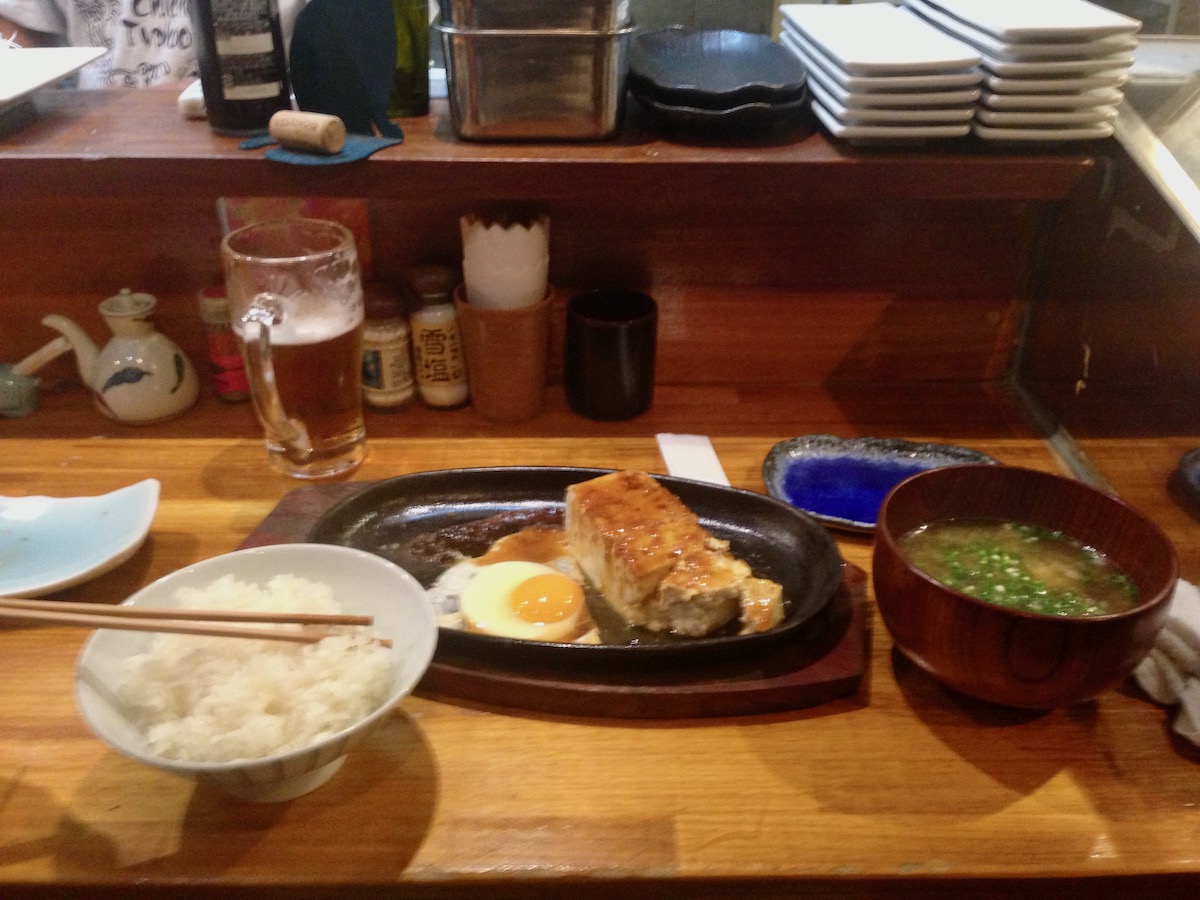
899,291
888,245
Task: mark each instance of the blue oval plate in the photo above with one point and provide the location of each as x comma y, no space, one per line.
51,543
842,481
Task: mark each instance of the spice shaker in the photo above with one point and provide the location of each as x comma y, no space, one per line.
387,373
438,361
224,354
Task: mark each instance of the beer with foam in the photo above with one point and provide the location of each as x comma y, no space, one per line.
297,307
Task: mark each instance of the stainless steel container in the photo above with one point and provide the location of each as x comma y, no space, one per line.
533,84
578,15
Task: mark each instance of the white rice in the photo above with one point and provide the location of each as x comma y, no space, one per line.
210,699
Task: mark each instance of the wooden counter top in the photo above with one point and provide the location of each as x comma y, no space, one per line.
900,791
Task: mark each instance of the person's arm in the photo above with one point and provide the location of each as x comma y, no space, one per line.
22,36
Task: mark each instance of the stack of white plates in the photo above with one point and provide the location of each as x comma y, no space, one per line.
1053,69
877,72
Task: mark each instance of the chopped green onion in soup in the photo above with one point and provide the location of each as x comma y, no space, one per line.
1025,567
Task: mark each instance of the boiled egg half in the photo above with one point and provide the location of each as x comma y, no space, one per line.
525,600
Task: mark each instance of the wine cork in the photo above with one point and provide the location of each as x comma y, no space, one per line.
308,131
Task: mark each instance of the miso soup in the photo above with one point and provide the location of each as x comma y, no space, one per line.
1026,567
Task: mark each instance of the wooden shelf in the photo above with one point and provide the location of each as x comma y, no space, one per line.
136,144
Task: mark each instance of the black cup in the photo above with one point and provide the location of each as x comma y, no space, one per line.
610,350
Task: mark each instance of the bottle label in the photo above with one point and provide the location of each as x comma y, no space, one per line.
225,360
372,370
249,65
439,357
387,370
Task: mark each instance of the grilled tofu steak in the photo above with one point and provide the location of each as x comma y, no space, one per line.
656,564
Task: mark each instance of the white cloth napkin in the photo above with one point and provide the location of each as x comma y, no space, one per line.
1170,673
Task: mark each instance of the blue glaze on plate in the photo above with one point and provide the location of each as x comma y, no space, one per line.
845,488
51,543
842,482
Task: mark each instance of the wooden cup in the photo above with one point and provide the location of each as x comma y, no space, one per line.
506,351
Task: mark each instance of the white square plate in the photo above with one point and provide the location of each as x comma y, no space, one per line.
993,46
24,70
1078,100
1046,118
1051,85
889,116
1026,135
912,132
879,39
1017,21
1043,68
958,82
897,101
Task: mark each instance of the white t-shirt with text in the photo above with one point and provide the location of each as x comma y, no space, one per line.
149,41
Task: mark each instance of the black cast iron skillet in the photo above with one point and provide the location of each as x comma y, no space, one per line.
395,519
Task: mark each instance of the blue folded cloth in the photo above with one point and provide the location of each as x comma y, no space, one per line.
358,146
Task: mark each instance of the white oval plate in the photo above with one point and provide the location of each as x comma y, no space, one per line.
51,543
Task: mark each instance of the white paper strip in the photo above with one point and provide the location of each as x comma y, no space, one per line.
691,456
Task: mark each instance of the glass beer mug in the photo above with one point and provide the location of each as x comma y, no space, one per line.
296,305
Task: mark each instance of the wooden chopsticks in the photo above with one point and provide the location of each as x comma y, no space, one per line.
210,622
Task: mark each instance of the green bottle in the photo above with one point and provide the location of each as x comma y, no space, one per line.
410,84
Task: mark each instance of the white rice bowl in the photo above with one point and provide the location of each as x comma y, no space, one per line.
245,739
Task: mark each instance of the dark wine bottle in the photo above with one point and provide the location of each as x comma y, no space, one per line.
243,68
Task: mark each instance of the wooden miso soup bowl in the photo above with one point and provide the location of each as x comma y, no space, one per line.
1004,655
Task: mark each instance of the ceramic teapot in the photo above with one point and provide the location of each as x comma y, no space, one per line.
140,375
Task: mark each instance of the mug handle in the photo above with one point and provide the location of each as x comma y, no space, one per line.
258,320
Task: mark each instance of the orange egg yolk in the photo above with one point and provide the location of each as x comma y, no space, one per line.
546,598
